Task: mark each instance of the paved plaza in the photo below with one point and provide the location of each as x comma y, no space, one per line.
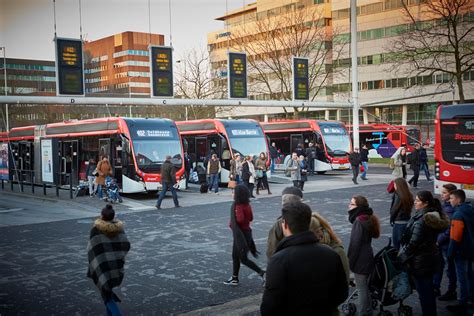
179,257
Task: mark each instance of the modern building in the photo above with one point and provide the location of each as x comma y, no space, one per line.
379,23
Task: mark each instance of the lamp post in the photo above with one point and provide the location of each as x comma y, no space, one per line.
5,82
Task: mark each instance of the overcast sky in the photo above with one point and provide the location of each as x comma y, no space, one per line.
27,26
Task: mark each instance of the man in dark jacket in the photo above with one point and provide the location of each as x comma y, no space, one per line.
303,277
364,159
461,248
414,162
273,156
424,162
311,154
354,159
168,181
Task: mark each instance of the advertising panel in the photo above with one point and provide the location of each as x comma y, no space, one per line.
161,61
47,173
3,161
69,67
237,81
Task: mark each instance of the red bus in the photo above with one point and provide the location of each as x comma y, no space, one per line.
225,138
331,137
59,152
454,147
383,140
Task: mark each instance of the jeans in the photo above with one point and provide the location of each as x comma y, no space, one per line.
99,191
450,271
397,233
272,165
92,185
465,278
424,167
365,301
424,287
416,174
311,165
355,173
112,308
165,187
366,167
214,182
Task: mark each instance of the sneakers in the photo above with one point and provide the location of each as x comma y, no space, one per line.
233,281
448,296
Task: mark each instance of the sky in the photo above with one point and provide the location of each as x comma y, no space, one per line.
27,26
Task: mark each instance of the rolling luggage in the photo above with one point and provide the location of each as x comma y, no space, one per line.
204,188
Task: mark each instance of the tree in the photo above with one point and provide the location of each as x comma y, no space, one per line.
437,40
272,42
194,82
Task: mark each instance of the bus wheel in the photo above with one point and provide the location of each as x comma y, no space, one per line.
320,172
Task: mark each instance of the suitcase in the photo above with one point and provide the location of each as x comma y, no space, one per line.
204,188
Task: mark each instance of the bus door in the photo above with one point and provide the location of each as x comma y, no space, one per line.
201,149
104,148
69,162
116,160
295,139
214,142
23,155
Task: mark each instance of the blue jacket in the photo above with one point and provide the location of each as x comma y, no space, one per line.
443,238
462,232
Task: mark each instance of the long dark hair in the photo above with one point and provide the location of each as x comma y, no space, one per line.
241,194
406,199
433,203
374,229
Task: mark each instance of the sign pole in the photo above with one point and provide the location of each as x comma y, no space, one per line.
355,86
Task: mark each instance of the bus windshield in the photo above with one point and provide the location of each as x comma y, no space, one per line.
246,138
153,140
336,138
457,139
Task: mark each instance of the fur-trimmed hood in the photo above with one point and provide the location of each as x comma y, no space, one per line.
436,220
109,228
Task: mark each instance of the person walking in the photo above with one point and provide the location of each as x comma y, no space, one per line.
261,172
104,169
213,170
415,165
419,252
90,172
273,157
443,243
303,276
240,218
300,150
108,245
461,249
424,162
168,181
235,168
248,174
311,155
293,167
354,159
400,210
364,159
365,227
403,156
396,163
303,171
187,169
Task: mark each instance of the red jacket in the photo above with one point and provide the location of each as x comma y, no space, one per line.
244,215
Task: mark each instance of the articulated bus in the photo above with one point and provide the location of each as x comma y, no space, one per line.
58,153
201,138
331,138
454,147
383,140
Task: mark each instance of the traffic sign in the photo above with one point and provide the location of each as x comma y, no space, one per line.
161,61
69,67
300,79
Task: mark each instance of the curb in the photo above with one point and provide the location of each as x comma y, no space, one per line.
249,305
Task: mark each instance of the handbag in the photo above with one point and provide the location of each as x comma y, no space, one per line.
95,173
362,169
259,173
391,187
231,184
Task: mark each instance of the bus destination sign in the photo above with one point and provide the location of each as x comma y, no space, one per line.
237,65
300,79
70,74
162,71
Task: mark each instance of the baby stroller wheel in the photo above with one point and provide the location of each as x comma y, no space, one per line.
405,310
349,308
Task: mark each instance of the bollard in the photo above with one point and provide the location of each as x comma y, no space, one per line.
70,186
44,188
11,185
33,184
21,185
57,190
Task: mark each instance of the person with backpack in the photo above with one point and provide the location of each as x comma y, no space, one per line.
419,252
241,216
168,181
365,227
414,161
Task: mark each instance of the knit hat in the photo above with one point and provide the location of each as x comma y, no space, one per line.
108,213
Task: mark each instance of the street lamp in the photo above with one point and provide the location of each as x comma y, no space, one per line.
4,49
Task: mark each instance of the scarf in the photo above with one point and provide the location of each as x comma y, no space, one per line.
354,213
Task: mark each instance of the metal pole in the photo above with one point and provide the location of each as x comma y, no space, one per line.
355,86
7,125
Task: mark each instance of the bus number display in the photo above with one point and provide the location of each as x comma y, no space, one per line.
69,67
162,71
237,75
300,79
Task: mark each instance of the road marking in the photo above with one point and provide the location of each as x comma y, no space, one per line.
9,210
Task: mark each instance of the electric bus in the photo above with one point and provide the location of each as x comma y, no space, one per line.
202,138
59,153
331,138
454,147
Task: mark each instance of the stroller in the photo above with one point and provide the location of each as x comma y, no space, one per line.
112,191
385,285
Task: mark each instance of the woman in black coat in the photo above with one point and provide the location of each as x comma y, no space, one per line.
419,250
365,226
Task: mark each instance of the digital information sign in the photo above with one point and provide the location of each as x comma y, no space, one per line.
237,80
300,79
161,60
69,67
